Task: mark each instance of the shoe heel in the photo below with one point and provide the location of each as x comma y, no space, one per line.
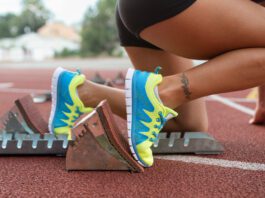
128,94
55,79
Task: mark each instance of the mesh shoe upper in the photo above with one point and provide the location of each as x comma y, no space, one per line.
68,107
149,115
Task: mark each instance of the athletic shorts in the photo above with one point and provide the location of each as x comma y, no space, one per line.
133,16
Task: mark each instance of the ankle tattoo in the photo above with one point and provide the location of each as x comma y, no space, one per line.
185,85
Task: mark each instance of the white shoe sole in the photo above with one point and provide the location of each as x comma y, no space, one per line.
129,103
55,79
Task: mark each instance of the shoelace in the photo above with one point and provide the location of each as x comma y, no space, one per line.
161,120
76,115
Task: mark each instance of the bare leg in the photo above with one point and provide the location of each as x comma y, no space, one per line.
210,28
259,117
219,75
92,94
193,115
147,59
239,69
242,63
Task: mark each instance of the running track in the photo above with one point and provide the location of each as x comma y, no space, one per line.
240,172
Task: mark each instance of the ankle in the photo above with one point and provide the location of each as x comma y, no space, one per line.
84,92
170,92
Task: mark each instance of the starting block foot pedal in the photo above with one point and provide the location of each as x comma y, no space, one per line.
187,143
24,117
99,144
24,132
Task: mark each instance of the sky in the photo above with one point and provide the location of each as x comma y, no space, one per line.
68,11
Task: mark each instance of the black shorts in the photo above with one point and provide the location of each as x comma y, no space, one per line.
133,16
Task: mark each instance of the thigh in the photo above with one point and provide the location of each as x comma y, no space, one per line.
193,115
209,28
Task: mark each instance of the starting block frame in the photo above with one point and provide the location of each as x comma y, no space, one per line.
98,143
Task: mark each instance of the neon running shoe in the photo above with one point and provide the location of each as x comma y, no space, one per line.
146,114
66,105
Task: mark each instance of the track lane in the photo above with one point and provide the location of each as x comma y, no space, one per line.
45,176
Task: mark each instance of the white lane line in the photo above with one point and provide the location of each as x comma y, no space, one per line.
234,105
220,162
19,90
215,162
6,85
240,100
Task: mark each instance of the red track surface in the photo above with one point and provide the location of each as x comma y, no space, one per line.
46,176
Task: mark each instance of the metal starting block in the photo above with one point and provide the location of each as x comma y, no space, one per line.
187,143
98,143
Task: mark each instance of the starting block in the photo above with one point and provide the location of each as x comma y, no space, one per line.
98,143
23,117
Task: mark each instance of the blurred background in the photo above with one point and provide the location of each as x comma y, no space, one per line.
41,30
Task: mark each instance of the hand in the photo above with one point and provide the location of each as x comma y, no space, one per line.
259,117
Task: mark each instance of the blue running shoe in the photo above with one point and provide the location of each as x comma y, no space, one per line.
146,114
66,105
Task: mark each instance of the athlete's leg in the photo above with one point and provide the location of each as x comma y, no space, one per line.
235,44
92,94
193,115
147,59
210,28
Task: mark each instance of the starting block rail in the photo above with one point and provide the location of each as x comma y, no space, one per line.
33,144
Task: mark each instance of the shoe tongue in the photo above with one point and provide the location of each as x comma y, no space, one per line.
170,113
156,87
157,94
169,116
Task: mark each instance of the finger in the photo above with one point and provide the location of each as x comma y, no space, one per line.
256,121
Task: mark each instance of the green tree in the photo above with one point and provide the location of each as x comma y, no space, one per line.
8,26
33,16
99,34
